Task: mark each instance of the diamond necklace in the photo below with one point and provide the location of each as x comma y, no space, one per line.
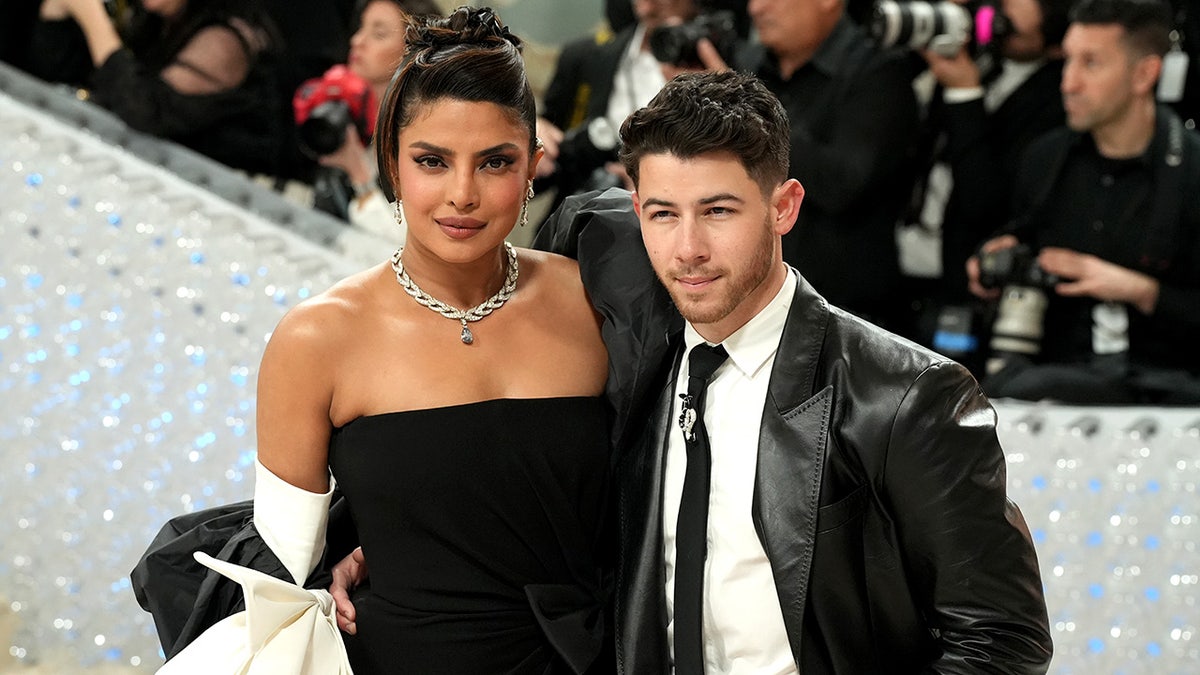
463,315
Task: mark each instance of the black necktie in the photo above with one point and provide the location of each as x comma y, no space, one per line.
691,533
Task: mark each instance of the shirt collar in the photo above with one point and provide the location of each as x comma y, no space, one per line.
1155,151
829,59
635,44
832,56
752,345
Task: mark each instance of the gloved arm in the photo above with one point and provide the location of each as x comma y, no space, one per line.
291,521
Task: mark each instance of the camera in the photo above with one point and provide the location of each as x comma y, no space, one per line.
1014,266
1017,329
943,27
325,106
676,45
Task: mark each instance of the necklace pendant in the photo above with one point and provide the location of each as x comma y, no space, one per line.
467,336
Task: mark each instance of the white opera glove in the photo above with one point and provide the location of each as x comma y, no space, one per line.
291,521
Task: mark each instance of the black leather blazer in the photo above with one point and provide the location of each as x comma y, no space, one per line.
879,492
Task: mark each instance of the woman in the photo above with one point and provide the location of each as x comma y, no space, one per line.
197,72
375,50
471,446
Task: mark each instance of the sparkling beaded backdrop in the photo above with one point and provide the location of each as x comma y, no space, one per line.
133,312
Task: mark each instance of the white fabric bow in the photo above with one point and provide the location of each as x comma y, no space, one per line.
285,629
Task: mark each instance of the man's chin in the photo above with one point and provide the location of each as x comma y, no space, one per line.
698,311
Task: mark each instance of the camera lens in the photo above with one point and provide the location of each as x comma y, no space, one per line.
325,129
941,26
670,44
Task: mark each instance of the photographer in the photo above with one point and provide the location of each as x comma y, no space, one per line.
198,72
597,83
853,117
1111,208
339,110
979,123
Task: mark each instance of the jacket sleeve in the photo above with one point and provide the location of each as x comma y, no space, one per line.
966,547
561,101
984,149
186,598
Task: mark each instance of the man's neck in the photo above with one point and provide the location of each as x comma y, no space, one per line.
1128,136
797,55
793,61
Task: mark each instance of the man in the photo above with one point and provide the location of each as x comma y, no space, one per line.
1113,205
980,130
597,82
853,119
857,519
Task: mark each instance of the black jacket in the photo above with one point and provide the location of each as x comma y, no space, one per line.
853,118
880,489
583,79
1164,222
984,152
186,598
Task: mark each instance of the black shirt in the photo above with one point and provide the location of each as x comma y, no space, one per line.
853,118
1107,208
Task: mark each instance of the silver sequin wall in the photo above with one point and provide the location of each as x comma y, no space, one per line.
133,312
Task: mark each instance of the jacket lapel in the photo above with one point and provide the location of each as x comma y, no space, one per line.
608,60
791,457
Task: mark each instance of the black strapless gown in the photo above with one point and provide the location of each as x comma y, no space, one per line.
485,531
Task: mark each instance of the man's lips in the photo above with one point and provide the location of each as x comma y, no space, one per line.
696,281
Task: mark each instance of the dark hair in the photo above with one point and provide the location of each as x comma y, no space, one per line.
700,113
413,8
1055,18
1147,23
467,56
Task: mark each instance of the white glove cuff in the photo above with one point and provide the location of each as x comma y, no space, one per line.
291,521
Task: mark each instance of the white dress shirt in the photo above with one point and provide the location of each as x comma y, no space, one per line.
743,622
638,78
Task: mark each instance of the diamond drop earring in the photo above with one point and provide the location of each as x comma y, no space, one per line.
529,194
400,215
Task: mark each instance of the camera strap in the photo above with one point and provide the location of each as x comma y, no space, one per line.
1162,237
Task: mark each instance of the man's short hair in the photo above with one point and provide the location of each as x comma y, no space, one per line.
1147,23
702,113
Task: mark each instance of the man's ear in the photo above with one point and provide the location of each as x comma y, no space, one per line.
1145,74
785,205
637,204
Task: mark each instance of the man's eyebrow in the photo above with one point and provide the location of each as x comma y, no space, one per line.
503,147
720,197
703,201
655,201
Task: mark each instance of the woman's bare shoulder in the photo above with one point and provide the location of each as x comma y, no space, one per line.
334,315
553,271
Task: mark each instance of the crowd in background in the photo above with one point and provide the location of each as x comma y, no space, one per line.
1027,204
